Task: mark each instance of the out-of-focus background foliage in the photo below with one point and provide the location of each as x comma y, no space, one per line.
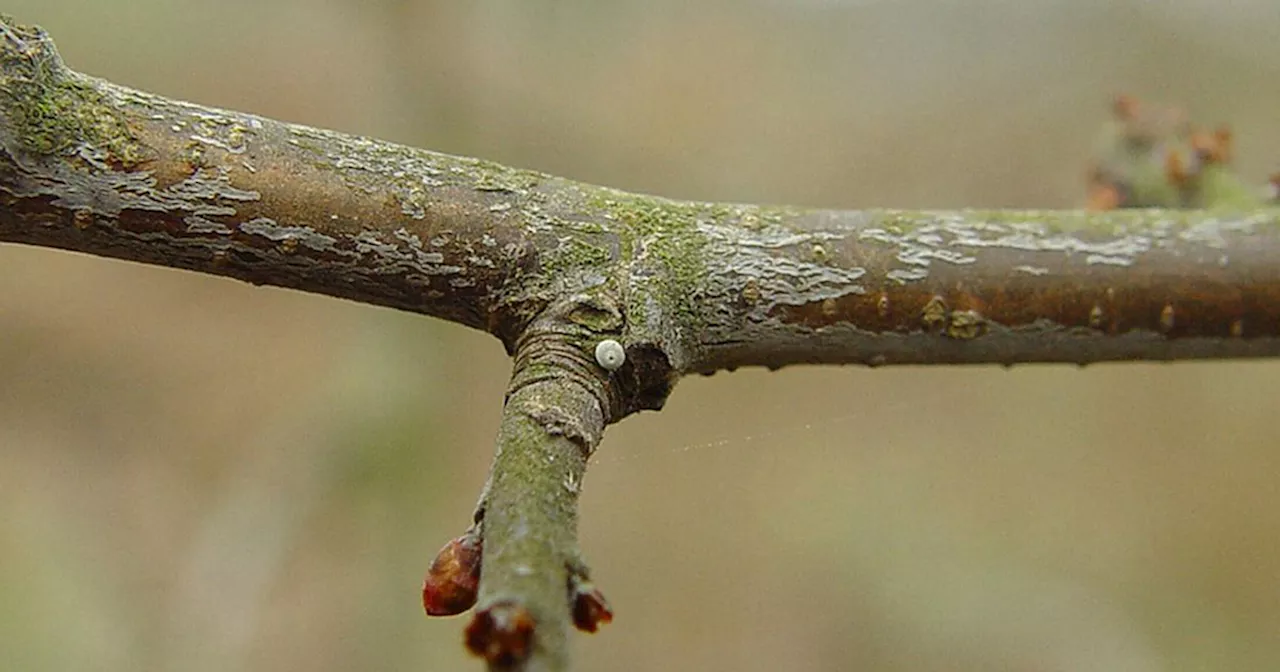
196,474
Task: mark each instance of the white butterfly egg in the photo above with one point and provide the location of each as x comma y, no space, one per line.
610,354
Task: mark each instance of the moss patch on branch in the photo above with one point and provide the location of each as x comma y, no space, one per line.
661,237
55,110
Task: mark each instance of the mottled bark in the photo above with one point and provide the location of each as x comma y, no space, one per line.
553,267
1005,287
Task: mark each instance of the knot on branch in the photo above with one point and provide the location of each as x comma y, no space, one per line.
29,45
564,344
53,110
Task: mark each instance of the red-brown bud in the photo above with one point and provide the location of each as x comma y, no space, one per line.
590,609
454,578
502,634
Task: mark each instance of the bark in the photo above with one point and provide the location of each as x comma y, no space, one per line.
552,267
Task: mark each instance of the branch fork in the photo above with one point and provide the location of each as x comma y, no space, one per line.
519,563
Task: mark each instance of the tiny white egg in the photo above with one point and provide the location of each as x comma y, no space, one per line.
610,354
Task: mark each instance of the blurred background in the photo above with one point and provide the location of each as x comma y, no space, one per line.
196,474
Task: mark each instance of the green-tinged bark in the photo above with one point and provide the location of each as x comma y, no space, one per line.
556,408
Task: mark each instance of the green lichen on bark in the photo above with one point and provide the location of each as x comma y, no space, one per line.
575,254
55,110
661,241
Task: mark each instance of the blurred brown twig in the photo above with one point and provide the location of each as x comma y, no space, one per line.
1151,156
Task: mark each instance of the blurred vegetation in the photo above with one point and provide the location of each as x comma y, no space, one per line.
198,474
1153,157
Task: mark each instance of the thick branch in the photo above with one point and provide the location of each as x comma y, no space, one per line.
102,169
553,267
1003,287
91,166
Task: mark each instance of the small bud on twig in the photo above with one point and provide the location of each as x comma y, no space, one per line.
590,609
502,634
454,577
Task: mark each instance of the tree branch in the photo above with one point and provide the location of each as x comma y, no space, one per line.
554,267
1003,287
557,407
